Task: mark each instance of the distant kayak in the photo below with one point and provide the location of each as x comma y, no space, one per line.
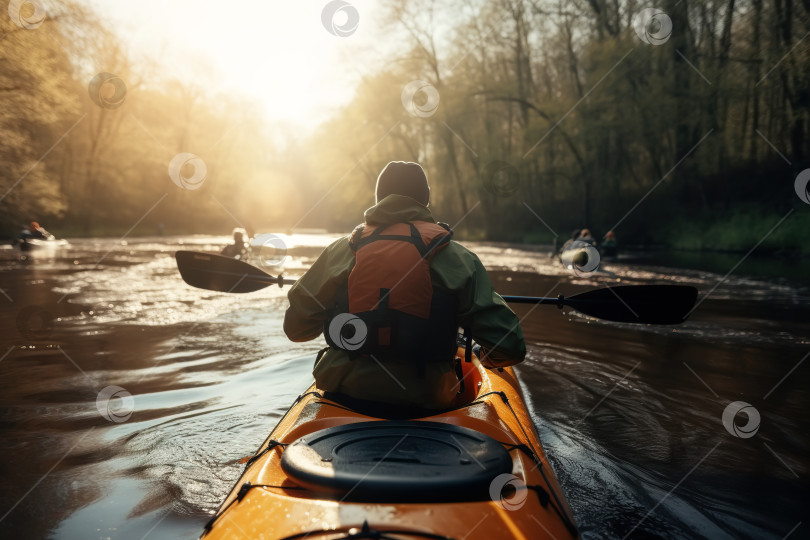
37,244
609,250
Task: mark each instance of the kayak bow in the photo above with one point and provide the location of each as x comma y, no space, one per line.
330,471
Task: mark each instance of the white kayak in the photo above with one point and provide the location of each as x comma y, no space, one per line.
37,244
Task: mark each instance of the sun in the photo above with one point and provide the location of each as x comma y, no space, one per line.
282,55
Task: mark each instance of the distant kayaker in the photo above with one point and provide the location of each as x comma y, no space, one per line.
585,236
609,247
390,298
574,236
240,249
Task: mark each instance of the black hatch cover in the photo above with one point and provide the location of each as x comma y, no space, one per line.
397,461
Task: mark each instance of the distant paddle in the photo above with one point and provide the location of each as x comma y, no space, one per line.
645,304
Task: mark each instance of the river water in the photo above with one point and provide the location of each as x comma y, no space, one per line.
630,415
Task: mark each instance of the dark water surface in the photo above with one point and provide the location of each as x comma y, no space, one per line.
631,416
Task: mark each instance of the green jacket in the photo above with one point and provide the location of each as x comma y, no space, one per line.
454,268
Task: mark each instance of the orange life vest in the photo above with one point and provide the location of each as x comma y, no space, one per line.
391,307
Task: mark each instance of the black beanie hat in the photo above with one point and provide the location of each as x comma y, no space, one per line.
403,178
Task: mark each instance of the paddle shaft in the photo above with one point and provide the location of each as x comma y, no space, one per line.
264,278
534,300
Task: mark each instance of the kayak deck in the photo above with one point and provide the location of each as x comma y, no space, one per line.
525,503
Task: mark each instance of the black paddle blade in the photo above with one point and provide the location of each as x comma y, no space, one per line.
217,273
647,304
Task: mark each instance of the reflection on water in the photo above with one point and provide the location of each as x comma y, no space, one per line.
630,416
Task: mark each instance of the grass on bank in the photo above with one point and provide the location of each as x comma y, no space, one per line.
742,230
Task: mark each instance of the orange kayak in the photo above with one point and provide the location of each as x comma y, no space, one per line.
329,471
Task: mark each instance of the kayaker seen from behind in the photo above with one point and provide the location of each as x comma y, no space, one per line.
610,246
34,237
585,236
390,298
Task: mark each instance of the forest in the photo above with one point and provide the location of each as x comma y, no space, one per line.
680,124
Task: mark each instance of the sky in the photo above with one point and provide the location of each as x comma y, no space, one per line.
277,52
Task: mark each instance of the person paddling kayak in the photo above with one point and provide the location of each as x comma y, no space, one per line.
390,298
239,249
386,471
610,246
585,236
36,237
